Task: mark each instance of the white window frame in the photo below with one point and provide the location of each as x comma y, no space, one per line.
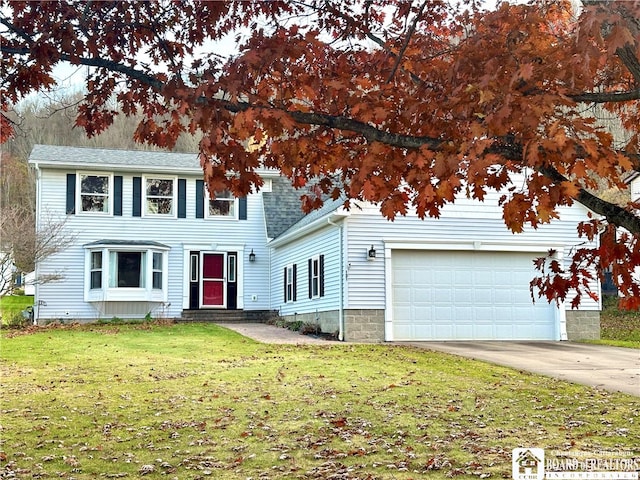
111,292
207,207
232,268
157,270
93,269
174,197
108,195
290,283
315,276
194,267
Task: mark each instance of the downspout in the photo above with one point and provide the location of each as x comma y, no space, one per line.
341,296
36,270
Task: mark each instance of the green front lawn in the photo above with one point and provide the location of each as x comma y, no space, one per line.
11,307
199,401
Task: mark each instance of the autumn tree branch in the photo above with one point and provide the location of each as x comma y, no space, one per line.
614,214
630,60
406,41
606,97
110,65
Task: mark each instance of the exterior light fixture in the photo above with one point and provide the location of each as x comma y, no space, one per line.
371,253
252,256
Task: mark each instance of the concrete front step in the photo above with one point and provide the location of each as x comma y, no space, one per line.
227,316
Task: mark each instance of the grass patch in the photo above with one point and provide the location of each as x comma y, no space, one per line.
196,401
619,328
11,307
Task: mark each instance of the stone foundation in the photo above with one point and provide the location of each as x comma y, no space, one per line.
583,325
364,325
328,322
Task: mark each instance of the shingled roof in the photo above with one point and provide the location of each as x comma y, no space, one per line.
56,156
283,208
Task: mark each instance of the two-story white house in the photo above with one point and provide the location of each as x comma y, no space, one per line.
151,240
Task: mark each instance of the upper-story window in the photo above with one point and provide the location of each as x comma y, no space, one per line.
95,193
223,205
160,196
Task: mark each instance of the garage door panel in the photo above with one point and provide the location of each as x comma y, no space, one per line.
463,296
442,295
464,331
442,331
402,294
467,296
484,314
421,294
483,331
404,331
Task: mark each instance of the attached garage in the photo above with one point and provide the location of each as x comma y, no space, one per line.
467,295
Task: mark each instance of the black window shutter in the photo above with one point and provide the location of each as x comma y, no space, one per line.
322,275
117,195
285,284
182,198
295,283
137,196
199,198
71,193
242,208
310,263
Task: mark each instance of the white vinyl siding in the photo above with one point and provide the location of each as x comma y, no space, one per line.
324,242
366,279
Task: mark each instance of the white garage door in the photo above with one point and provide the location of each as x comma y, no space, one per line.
460,295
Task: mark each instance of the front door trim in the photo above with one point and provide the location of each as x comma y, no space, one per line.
201,248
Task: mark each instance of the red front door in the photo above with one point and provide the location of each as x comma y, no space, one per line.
213,280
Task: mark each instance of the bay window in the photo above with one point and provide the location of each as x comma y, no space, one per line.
126,271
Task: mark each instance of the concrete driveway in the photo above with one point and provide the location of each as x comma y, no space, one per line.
610,368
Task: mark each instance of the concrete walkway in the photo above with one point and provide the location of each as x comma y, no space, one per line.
271,334
610,368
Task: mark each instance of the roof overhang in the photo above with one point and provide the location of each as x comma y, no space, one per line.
127,244
328,219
